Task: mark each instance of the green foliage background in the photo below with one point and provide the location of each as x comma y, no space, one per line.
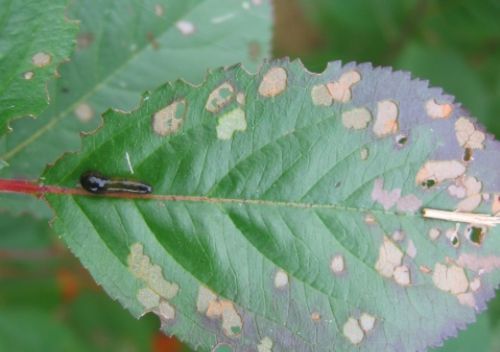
453,43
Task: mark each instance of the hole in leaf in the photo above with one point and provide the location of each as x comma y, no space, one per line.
468,154
401,140
429,183
475,234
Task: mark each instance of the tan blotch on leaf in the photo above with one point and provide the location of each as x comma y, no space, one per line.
337,265
315,316
214,308
84,112
321,96
471,193
386,121
353,331
367,322
41,59
356,118
467,134
158,290
363,153
450,278
169,119
28,75
265,345
274,82
384,197
220,97
434,233
231,122
280,279
389,257
438,111
402,275
439,171
495,205
185,27
341,90
159,10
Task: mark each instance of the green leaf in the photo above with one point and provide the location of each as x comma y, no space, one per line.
286,210
124,48
35,38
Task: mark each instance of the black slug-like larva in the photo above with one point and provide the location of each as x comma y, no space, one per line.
94,182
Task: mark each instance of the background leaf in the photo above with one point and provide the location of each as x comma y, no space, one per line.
35,38
306,193
125,48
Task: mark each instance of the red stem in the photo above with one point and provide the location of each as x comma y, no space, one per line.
33,188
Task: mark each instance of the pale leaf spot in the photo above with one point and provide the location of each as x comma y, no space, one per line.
484,264
467,187
321,96
438,111
352,331
457,191
41,59
229,123
356,118
231,320
475,284
434,233
409,204
439,171
425,269
185,27
140,265
467,134
411,250
219,97
315,316
166,311
385,198
450,279
363,153
148,298
398,236
280,279
28,75
84,112
265,345
337,264
159,10
467,299
274,82
370,219
240,98
470,203
390,257
341,90
386,121
205,297
402,275
367,322
169,119
495,205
